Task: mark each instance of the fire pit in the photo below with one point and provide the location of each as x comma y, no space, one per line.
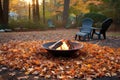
63,47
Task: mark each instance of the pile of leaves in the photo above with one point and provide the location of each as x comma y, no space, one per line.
92,61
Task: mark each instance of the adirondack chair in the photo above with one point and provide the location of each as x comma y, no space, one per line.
50,23
4,29
85,30
104,27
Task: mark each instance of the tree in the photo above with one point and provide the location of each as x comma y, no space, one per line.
112,11
29,11
4,10
65,11
20,7
79,7
43,11
33,11
37,11
1,13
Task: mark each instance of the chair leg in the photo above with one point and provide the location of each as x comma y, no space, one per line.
79,37
75,37
104,35
99,36
84,38
90,36
93,32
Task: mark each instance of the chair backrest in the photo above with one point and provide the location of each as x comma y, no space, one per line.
106,24
50,23
86,25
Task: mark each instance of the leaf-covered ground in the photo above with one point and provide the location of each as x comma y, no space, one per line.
23,58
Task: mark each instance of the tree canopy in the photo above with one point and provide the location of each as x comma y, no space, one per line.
42,10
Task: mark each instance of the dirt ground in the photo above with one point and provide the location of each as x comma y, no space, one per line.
113,38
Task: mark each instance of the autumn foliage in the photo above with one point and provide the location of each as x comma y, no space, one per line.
93,60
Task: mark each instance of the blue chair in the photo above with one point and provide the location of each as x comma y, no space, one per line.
85,30
50,23
104,27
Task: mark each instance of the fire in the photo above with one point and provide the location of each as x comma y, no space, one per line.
63,47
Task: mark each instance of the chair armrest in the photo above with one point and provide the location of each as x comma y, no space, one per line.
96,28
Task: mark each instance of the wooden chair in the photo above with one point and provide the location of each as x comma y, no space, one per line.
104,27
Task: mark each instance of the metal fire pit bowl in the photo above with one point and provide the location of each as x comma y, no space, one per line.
69,52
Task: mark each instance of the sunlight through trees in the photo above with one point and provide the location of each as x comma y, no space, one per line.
41,10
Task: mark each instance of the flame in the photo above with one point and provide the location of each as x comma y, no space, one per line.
63,47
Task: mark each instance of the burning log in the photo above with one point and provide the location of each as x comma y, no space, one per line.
56,45
69,44
62,45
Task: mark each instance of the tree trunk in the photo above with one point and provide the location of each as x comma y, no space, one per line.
4,10
65,11
37,10
43,11
1,13
29,16
33,11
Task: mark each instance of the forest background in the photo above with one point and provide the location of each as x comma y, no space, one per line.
34,14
